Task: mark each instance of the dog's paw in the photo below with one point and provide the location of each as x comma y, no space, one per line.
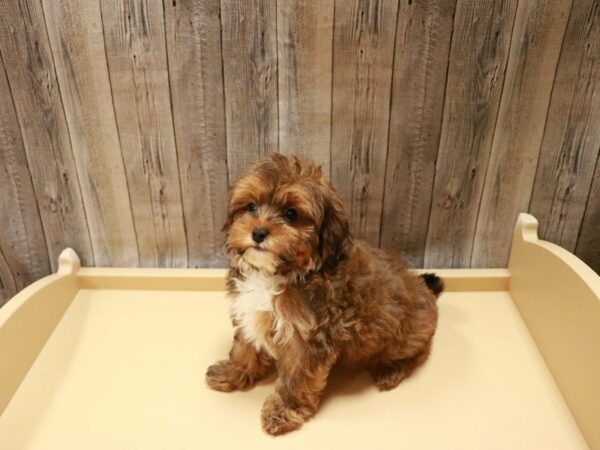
277,418
227,376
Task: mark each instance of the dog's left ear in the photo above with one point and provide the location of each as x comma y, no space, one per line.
334,231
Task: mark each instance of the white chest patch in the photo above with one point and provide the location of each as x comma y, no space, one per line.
256,293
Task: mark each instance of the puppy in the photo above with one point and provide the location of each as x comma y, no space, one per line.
305,295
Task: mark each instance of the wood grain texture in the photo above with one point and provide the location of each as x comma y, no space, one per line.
363,51
24,255
438,121
8,287
24,43
75,32
588,242
536,42
423,37
134,35
572,136
249,31
478,55
196,77
305,51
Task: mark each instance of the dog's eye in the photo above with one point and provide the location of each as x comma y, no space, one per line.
290,214
252,207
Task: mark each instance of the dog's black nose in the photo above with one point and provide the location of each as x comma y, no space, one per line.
259,234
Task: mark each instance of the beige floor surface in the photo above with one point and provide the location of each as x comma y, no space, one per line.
125,370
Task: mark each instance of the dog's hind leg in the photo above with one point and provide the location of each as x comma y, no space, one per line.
388,375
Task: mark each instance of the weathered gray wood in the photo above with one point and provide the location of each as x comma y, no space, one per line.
249,30
363,51
135,115
30,69
423,36
535,47
8,287
24,255
194,54
588,242
76,39
478,55
572,136
134,35
305,51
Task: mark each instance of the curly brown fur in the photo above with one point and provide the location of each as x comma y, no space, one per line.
242,370
307,296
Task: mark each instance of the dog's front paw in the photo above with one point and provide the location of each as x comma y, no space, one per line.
227,376
277,418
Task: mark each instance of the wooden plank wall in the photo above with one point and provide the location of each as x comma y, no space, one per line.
124,122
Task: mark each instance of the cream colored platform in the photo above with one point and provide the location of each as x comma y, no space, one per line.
115,359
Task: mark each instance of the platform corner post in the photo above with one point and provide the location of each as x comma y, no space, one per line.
68,262
526,228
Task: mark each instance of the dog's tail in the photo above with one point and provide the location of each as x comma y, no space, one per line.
433,282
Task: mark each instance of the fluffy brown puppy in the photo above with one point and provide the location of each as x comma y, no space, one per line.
305,295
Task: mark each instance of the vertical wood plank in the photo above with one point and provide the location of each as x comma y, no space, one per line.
305,51
478,56
8,287
588,242
423,37
250,72
75,32
363,51
22,245
196,77
536,42
134,35
572,136
31,73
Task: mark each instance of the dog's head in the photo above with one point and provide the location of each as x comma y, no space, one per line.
285,218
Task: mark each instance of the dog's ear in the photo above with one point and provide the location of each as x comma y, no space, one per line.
233,206
230,215
334,231
227,223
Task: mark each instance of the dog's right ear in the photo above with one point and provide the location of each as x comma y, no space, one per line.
229,219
